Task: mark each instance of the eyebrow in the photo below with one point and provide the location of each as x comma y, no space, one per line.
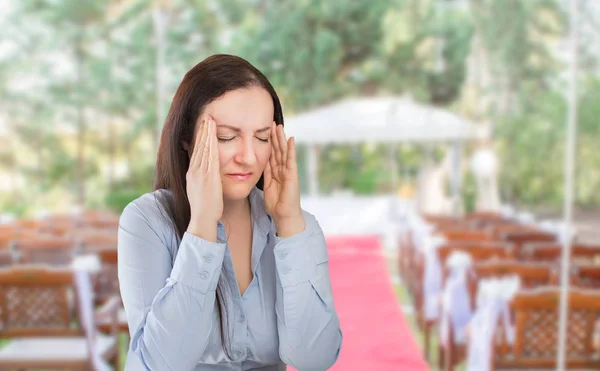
238,130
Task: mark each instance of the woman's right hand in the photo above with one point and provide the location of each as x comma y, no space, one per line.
204,189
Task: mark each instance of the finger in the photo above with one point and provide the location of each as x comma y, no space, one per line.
291,153
276,148
267,175
214,149
201,144
195,159
206,150
282,144
272,160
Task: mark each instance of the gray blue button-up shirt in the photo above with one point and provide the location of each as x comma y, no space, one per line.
285,316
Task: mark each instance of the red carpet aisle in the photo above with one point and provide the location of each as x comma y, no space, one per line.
376,335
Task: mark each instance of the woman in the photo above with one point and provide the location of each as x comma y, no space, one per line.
216,274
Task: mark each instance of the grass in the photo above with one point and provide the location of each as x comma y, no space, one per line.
405,302
124,345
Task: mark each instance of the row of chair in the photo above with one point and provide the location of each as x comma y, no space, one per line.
497,247
41,317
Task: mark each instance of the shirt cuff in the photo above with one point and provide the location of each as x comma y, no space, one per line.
292,258
198,263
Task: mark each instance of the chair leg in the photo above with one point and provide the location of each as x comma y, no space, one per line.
449,350
441,356
116,361
449,359
427,340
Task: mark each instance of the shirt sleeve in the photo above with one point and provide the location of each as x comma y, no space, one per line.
169,306
310,337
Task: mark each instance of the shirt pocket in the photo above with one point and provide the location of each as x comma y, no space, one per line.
322,284
318,250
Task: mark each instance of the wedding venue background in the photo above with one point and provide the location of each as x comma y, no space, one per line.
466,100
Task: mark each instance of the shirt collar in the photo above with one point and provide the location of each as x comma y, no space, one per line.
258,211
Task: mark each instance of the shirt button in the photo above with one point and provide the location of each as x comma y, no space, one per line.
286,270
204,275
208,258
241,318
283,255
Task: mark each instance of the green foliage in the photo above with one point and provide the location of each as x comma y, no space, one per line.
532,148
469,193
9,204
118,199
314,52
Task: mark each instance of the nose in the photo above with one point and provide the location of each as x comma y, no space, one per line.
246,153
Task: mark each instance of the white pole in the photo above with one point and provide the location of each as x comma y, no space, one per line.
569,179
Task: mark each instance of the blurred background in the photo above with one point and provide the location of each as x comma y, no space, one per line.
85,87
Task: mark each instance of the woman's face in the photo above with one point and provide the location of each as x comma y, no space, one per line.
244,118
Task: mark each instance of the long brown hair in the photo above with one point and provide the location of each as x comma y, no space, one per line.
204,83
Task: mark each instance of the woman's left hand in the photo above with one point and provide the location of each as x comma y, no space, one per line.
282,185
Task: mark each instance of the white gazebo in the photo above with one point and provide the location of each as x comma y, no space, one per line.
380,120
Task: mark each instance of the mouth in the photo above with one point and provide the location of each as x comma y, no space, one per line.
240,176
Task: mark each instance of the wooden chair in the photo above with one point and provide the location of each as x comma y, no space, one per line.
41,318
107,286
441,219
498,230
465,235
59,229
531,276
483,219
61,218
405,257
6,258
98,215
483,215
94,240
60,224
110,224
11,233
411,268
552,252
478,253
586,276
521,238
536,331
6,236
27,224
43,250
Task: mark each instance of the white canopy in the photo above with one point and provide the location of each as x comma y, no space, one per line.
379,119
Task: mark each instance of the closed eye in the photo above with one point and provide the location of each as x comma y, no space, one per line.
225,139
266,140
